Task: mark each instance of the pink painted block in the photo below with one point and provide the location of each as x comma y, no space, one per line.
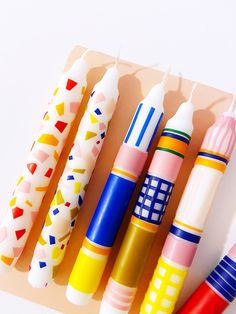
74,106
95,151
130,159
100,97
179,251
40,155
24,187
232,253
17,251
102,126
165,165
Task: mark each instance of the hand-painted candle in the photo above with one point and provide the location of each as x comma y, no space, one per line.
101,234
51,246
217,291
185,232
42,160
148,212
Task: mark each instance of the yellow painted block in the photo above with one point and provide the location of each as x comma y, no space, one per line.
28,203
48,220
41,240
87,273
13,201
56,156
59,198
55,91
93,119
19,181
77,187
89,135
56,252
60,108
48,139
6,260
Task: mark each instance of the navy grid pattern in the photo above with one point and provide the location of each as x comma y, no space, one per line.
153,199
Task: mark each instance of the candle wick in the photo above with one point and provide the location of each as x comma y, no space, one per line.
232,107
192,91
117,56
165,75
86,52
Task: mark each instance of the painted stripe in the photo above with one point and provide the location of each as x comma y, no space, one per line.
227,277
96,249
228,268
178,132
170,151
155,131
184,234
41,188
177,137
187,226
115,304
223,283
133,123
214,153
220,289
144,128
143,224
230,262
124,173
173,144
210,163
205,154
220,269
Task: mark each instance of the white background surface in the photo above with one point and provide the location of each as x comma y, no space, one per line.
196,37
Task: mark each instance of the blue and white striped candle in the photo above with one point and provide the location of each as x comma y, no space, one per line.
115,198
216,293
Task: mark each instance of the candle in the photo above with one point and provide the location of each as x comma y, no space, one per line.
217,291
42,160
185,232
61,218
149,211
101,234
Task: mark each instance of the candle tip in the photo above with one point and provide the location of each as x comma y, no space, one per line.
192,91
165,75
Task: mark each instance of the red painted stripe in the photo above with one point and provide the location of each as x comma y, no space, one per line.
203,300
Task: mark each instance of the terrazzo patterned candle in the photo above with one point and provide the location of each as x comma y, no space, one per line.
104,226
216,293
42,160
51,246
148,212
185,232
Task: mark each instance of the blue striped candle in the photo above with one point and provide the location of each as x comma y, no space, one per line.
115,198
217,291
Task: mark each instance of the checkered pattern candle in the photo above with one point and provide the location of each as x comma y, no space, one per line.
148,212
60,220
101,234
217,291
42,160
185,232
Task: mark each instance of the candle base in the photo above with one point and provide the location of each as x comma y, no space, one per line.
76,297
37,281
